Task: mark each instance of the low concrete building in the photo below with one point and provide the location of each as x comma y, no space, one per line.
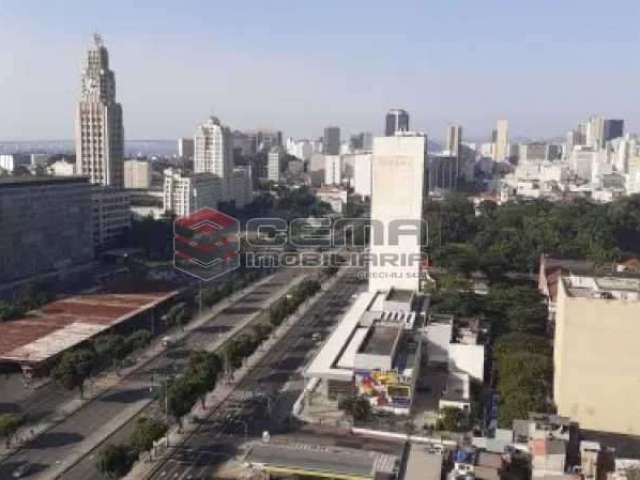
337,198
374,352
462,352
321,461
62,168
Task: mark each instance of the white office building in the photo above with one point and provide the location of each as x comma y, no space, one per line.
362,174
398,188
184,194
275,167
213,152
333,169
302,149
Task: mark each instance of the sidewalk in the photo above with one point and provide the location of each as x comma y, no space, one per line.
143,469
107,380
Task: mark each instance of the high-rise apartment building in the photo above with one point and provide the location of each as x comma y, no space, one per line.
213,152
331,141
501,141
99,129
595,352
333,169
275,160
613,128
362,174
398,188
396,120
454,140
185,148
137,174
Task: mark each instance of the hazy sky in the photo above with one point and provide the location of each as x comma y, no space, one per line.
298,65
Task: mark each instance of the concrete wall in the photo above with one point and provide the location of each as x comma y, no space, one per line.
596,362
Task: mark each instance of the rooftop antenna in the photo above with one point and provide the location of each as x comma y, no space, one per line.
97,39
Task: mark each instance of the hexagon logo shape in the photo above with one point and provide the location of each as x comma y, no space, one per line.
206,244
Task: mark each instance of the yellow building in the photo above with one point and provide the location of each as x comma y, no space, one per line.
597,352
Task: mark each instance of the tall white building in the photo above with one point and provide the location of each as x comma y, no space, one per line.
137,174
454,140
275,160
362,174
333,169
302,149
213,152
99,130
184,194
502,141
398,189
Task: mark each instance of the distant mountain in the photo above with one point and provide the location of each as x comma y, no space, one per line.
147,148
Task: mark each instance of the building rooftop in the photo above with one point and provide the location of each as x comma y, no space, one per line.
63,324
13,181
380,340
396,295
322,461
626,288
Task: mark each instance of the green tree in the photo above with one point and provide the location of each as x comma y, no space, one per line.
110,349
203,370
145,432
114,461
451,419
74,368
9,424
138,340
518,342
358,407
182,395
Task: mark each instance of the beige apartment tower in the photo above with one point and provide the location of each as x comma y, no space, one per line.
99,130
596,361
501,148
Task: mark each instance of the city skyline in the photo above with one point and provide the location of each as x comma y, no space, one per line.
444,70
